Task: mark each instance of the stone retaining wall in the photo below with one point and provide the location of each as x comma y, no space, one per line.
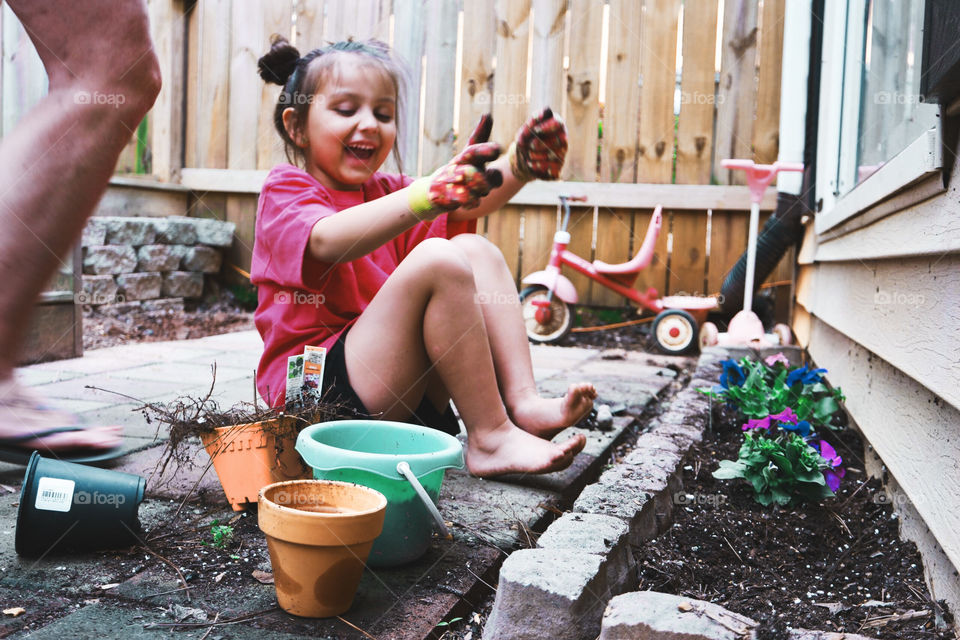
134,259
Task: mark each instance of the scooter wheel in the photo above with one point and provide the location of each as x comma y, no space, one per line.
675,332
709,335
560,315
783,332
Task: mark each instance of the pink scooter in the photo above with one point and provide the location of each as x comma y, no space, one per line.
745,329
548,300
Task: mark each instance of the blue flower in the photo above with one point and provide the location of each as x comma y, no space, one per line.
804,376
802,428
732,374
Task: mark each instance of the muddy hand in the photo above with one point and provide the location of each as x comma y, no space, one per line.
480,135
540,148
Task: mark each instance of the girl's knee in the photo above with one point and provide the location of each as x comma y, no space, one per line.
439,256
478,249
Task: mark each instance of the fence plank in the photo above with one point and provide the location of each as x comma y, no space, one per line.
308,28
659,69
688,260
728,240
766,128
655,275
246,46
408,44
357,19
510,77
582,105
503,230
191,86
613,247
241,210
476,67
618,160
214,83
737,90
581,243
277,20
539,225
441,71
697,100
546,90
24,79
167,27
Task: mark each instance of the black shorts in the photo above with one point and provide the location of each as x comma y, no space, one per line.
337,388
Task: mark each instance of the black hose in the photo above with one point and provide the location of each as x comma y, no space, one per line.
783,229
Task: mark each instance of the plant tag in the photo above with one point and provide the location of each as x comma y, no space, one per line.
313,362
54,494
294,379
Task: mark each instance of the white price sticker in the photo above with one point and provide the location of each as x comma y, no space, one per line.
54,494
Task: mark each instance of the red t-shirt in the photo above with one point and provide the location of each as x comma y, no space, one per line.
302,301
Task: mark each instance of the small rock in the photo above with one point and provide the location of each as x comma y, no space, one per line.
604,418
685,606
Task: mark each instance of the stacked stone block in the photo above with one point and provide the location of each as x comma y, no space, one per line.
147,259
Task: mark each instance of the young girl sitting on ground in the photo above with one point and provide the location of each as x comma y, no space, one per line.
388,274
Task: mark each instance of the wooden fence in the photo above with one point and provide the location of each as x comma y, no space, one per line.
654,92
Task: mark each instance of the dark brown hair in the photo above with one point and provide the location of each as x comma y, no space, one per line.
301,76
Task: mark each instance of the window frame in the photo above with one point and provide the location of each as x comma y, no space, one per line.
840,96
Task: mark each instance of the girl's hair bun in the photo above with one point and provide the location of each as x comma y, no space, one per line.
278,64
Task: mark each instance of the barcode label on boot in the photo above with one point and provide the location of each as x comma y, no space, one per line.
54,494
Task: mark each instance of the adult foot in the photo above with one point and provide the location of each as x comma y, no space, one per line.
509,449
23,414
546,417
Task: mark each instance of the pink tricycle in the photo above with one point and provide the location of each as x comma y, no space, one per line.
548,300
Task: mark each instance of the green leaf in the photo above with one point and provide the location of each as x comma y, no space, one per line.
826,407
729,470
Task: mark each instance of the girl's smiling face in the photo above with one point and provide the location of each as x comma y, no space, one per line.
351,125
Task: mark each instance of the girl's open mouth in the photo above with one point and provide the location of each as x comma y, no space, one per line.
361,152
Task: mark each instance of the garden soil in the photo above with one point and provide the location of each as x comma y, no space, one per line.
835,566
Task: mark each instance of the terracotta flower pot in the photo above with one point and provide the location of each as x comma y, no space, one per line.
319,534
248,457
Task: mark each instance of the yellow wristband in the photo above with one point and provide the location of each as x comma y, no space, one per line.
419,200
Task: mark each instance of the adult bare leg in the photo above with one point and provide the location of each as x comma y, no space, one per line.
425,316
55,166
500,305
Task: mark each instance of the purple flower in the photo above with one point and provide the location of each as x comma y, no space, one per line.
774,359
833,474
787,415
757,423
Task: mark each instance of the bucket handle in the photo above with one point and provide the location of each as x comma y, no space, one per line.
404,469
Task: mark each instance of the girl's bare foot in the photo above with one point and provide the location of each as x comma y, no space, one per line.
546,417
508,449
23,413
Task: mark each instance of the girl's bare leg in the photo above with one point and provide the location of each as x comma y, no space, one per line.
103,77
426,317
500,305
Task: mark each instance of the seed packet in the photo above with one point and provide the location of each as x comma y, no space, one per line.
294,379
313,363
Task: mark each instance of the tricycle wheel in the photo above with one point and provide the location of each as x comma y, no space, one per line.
709,335
559,315
675,331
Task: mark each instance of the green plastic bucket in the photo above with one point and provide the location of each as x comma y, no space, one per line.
403,462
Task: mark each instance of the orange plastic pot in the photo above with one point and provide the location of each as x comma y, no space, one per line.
319,533
248,457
